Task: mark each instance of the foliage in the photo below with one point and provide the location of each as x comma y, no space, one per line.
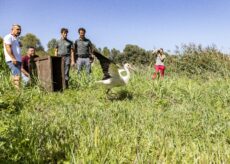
42,53
178,119
106,52
51,46
114,53
3,65
30,40
181,119
191,59
196,60
133,54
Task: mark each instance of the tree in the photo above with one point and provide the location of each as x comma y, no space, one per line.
99,49
135,54
106,52
30,40
51,46
114,53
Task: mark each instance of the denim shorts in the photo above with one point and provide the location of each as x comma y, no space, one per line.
15,69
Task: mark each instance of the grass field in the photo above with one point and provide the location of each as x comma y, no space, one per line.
175,120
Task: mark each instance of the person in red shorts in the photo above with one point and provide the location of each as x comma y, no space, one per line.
159,65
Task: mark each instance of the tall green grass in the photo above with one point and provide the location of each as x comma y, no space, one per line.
180,119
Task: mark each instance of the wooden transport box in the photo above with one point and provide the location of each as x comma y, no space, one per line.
50,72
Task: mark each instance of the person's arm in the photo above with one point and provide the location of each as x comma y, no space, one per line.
162,57
72,54
25,72
72,57
11,54
75,51
91,49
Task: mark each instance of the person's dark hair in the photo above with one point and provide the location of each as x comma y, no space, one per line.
64,30
81,29
160,51
30,47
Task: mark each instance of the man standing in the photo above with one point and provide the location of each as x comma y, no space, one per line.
64,48
28,65
83,50
12,53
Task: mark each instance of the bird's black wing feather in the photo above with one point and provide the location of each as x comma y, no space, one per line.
105,64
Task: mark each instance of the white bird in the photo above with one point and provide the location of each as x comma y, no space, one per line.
114,75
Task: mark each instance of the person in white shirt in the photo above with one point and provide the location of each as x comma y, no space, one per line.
12,52
159,65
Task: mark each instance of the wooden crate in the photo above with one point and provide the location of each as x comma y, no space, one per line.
50,72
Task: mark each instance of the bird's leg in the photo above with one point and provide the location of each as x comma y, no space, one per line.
107,92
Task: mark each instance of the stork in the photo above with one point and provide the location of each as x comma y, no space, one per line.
113,74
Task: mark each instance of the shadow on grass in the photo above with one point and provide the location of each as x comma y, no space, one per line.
120,96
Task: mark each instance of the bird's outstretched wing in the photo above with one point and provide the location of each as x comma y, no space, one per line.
109,68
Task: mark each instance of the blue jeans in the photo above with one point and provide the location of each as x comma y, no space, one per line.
15,69
83,62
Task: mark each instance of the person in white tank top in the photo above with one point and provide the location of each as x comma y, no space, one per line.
159,65
12,52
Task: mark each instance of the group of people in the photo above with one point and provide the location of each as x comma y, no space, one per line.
79,52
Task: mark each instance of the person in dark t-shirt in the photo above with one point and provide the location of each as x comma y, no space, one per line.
83,49
28,64
64,48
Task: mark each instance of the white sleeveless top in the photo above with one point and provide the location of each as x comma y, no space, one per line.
159,61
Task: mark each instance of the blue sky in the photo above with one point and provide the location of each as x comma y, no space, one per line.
115,23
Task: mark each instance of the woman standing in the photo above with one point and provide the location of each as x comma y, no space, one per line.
159,65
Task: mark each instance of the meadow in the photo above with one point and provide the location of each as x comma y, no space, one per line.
184,118
180,119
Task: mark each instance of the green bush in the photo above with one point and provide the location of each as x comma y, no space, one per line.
3,66
196,60
191,60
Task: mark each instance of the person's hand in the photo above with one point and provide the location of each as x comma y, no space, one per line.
14,61
28,75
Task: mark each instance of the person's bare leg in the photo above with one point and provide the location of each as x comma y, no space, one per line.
154,75
16,81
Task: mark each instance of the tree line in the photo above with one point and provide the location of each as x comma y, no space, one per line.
190,59
131,53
